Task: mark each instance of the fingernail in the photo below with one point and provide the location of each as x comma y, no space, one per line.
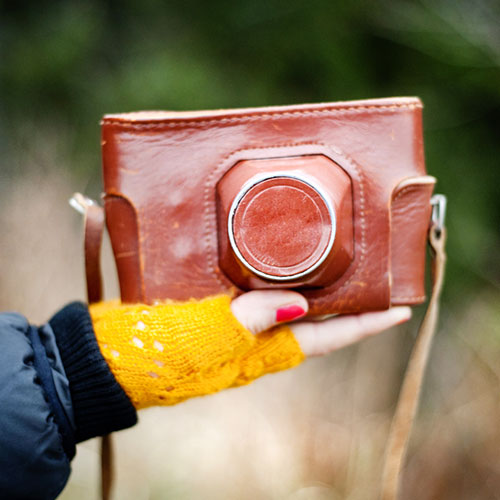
288,313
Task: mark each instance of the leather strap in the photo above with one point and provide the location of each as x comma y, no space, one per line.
94,225
93,231
107,475
412,384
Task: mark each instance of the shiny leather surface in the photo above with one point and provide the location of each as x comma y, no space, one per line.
285,230
164,167
93,229
410,213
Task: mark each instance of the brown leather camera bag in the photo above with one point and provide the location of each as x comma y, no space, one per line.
168,188
168,193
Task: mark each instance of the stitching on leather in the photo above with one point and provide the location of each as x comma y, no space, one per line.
261,116
207,203
422,297
362,219
404,190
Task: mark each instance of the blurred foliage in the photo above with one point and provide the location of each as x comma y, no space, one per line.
66,63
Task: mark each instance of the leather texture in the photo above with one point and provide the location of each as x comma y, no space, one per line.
302,225
162,169
410,219
93,228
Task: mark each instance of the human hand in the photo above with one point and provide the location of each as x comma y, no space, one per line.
165,353
260,310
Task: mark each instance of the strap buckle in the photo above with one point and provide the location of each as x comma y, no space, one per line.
438,203
80,202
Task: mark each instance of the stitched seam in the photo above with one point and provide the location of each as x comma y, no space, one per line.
403,191
421,297
362,219
209,188
262,116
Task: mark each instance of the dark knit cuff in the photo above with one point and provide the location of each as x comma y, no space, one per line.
99,403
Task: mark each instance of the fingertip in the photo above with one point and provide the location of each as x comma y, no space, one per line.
400,314
259,310
293,306
288,297
300,300
290,312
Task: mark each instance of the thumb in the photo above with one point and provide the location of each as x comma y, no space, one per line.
259,310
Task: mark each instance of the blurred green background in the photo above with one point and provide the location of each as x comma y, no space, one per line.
66,63
63,64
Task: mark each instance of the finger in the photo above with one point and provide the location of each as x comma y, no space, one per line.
260,309
318,338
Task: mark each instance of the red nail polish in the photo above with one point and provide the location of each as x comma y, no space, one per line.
287,313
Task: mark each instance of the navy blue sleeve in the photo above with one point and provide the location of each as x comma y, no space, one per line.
33,463
55,391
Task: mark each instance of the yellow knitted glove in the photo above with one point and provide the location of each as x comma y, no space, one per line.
169,352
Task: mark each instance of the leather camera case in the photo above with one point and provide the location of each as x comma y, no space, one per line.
330,199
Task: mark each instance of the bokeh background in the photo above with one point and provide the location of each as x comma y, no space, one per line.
316,432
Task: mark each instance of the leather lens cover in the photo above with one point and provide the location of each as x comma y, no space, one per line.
285,222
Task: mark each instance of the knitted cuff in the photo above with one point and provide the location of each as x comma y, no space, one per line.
169,352
274,350
99,403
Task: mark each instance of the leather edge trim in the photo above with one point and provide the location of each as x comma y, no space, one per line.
412,181
260,114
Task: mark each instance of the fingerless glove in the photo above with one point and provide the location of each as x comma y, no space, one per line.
168,352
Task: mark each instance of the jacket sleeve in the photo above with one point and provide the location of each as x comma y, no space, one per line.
55,391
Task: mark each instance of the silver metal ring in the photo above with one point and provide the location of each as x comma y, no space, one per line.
264,177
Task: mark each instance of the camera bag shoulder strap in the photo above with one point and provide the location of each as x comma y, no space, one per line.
409,395
93,231
411,387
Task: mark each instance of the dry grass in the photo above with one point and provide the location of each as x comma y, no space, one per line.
316,432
